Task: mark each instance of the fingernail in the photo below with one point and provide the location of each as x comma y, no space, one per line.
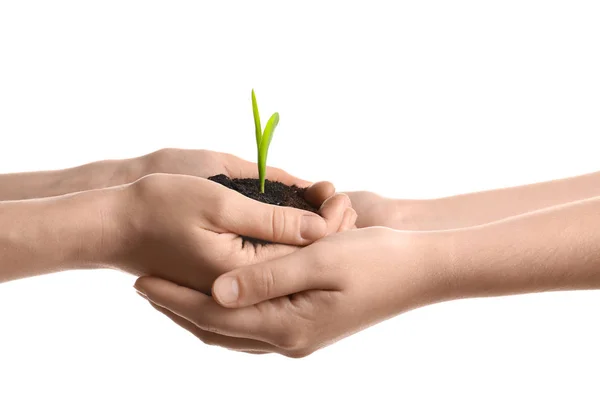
312,227
226,290
141,294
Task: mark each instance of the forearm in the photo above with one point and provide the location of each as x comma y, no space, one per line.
552,249
48,235
470,209
483,207
96,175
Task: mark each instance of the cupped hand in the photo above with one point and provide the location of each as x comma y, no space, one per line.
372,209
403,214
206,163
310,298
189,230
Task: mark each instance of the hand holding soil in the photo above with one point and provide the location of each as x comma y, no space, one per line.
179,227
525,239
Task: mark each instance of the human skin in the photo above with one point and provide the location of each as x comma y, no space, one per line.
470,209
180,227
346,282
107,173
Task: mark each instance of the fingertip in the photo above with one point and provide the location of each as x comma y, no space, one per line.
312,227
338,203
226,290
333,210
349,220
318,192
141,284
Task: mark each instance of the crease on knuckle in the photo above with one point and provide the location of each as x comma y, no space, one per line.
266,282
277,224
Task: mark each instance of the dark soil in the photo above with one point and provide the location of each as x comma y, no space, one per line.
276,193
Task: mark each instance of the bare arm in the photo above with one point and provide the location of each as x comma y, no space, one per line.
48,235
107,173
96,175
473,208
557,248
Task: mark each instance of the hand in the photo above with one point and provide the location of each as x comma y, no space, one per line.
372,209
188,229
376,210
310,298
108,173
206,163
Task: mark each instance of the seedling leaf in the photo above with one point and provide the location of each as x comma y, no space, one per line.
257,126
263,148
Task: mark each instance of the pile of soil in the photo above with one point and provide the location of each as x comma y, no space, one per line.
276,193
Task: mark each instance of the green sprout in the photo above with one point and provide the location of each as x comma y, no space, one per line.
263,140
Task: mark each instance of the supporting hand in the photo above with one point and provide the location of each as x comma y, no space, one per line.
346,282
309,299
107,173
178,227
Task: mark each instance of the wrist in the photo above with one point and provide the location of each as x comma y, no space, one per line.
422,258
412,215
96,175
58,233
89,225
458,263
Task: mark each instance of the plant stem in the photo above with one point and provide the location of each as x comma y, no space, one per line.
261,174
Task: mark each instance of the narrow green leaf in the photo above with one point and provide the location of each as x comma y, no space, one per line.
263,149
257,126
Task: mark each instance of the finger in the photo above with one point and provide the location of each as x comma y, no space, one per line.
296,272
240,168
318,192
349,220
214,339
333,211
204,312
285,225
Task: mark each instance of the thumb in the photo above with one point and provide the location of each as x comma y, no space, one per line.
253,284
277,224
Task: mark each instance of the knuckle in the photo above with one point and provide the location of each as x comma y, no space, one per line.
264,281
293,341
344,198
299,353
165,153
220,207
160,159
278,223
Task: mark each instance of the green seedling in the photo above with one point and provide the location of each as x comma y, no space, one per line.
263,140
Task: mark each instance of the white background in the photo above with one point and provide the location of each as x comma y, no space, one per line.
408,99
